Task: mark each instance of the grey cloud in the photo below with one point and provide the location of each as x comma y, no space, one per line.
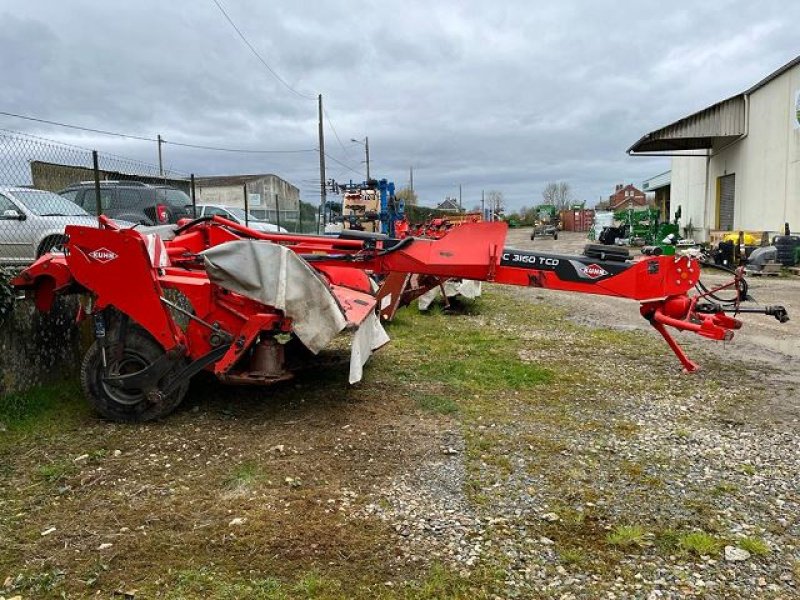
496,96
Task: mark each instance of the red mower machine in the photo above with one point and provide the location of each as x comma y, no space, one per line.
253,307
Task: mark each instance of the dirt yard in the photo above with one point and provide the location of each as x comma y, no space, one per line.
530,445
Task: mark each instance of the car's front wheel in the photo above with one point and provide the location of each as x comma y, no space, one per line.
50,243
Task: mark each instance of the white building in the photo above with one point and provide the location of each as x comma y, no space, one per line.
736,164
265,195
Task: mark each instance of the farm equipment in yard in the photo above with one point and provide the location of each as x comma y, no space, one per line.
252,307
547,220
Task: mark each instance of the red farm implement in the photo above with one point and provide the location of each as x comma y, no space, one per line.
251,307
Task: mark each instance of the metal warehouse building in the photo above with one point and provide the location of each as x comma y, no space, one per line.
265,194
736,164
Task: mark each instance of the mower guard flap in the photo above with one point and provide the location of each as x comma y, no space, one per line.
276,276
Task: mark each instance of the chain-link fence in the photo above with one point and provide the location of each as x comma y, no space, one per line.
47,185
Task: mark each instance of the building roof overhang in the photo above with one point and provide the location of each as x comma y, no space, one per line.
717,125
721,123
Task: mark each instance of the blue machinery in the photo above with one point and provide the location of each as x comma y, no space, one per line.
391,209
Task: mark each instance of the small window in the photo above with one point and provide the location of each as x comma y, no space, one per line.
89,200
6,204
128,198
71,195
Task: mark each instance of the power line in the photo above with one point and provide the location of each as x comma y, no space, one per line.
327,116
345,165
258,56
101,131
147,139
242,150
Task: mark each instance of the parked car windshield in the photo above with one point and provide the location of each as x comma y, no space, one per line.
173,197
239,214
48,204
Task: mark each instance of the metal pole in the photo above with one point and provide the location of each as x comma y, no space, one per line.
366,146
322,190
277,212
411,171
160,162
483,205
299,218
194,198
459,197
97,200
246,206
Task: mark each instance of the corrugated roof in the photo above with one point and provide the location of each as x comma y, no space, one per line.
724,121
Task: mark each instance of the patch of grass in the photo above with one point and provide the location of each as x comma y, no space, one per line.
668,541
699,543
625,429
25,409
56,471
245,475
572,556
625,536
755,546
748,469
437,404
724,489
203,583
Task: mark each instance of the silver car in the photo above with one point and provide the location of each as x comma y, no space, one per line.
32,223
237,215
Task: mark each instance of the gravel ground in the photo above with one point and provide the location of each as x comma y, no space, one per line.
680,458
606,474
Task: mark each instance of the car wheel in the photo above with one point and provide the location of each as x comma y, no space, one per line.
50,243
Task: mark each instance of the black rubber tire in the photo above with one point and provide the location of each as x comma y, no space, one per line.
50,242
533,235
555,236
140,350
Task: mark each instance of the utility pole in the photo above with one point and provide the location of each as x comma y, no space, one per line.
483,205
322,190
160,162
459,198
366,146
411,172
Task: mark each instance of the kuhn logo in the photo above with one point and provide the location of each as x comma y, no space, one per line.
594,271
103,255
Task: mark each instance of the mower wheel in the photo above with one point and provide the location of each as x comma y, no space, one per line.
533,235
555,236
128,406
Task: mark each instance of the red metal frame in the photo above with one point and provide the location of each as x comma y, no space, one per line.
114,266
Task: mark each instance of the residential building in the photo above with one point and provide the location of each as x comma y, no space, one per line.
449,204
626,196
736,163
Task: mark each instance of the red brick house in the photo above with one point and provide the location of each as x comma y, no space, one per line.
626,196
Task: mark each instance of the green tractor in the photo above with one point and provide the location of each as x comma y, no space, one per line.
546,222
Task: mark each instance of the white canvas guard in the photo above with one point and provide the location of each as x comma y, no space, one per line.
274,275
368,337
468,288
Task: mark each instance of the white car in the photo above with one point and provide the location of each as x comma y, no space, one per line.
237,215
32,223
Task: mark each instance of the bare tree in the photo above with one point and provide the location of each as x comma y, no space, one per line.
495,202
558,193
407,195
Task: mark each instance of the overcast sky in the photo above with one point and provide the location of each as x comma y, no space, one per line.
492,95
